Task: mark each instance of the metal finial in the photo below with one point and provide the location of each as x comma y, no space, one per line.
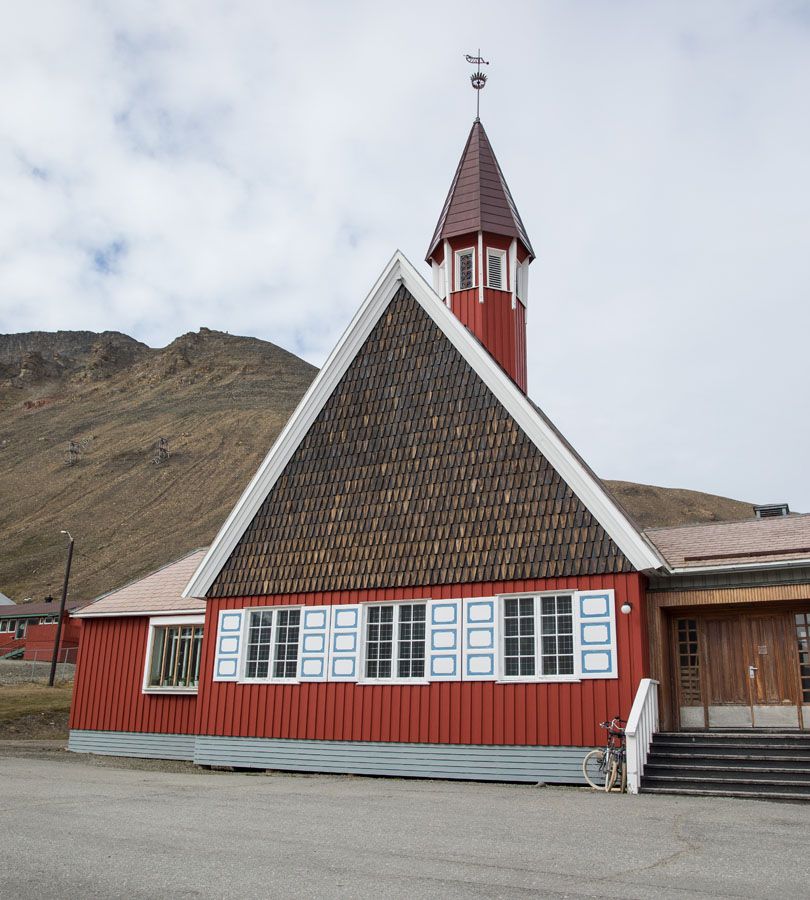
477,79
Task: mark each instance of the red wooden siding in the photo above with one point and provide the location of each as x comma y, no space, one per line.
107,694
446,712
501,329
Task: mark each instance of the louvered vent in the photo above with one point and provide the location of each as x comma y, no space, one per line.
495,274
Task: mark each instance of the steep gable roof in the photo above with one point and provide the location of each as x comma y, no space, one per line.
318,517
479,198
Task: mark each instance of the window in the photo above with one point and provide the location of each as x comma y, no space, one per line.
20,629
272,643
538,636
49,620
465,269
519,639
6,625
496,269
401,626
803,636
557,635
175,659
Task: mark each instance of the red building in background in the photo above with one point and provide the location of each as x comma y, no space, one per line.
28,631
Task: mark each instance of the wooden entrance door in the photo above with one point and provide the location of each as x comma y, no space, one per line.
748,672
751,668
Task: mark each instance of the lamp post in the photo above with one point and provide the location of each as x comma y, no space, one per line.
55,657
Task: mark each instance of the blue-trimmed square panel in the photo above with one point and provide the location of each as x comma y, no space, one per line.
226,668
602,613
443,666
450,645
312,667
231,621
597,661
228,645
480,664
595,629
350,668
345,618
451,620
479,606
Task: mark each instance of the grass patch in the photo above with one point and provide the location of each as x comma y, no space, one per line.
34,710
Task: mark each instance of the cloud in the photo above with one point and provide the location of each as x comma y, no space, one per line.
252,166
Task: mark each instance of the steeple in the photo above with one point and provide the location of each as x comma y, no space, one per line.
480,253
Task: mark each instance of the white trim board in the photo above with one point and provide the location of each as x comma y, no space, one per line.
400,271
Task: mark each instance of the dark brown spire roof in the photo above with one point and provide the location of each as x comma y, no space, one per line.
479,198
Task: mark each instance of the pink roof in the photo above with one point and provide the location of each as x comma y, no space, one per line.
160,591
734,543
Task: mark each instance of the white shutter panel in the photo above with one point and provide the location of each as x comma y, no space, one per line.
480,643
444,640
495,270
229,645
314,652
595,634
344,644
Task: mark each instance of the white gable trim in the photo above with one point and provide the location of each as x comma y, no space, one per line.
400,271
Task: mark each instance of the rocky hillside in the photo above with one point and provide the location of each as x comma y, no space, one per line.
218,400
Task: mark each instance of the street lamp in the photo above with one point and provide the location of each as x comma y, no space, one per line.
58,639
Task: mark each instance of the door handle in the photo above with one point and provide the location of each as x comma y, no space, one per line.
752,670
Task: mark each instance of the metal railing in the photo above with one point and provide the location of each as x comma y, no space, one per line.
642,723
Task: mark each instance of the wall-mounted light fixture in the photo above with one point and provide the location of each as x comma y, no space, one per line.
626,608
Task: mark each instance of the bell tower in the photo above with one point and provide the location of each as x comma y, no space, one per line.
480,254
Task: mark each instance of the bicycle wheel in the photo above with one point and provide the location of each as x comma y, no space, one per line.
611,772
593,768
624,774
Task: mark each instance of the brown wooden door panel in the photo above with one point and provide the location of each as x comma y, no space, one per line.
726,656
773,654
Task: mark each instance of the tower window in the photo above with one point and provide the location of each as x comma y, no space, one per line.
465,269
496,269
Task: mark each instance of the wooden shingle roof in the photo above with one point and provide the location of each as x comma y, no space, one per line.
479,198
413,473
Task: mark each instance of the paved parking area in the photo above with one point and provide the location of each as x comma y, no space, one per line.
72,827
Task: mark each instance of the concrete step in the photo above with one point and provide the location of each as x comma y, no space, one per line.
740,794
724,773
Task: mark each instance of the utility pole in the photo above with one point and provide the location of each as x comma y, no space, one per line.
55,657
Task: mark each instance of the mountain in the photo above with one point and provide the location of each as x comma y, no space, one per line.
219,401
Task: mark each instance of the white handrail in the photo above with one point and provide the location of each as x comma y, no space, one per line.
642,723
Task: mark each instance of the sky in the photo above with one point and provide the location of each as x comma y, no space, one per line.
252,166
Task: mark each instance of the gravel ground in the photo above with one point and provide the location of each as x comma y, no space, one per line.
20,671
175,831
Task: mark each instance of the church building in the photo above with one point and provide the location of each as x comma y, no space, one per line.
422,578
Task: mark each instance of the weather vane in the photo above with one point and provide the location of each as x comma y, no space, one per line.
477,79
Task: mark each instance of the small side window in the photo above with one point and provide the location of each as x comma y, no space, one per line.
465,269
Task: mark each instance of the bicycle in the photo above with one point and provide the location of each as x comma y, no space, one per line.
604,767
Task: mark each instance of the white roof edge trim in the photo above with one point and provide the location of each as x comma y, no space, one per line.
81,614
741,567
400,271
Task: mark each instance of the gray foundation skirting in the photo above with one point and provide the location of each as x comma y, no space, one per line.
129,743
554,765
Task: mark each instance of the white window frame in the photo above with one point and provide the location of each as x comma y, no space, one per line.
538,677
156,622
49,620
243,661
6,626
457,254
494,251
394,679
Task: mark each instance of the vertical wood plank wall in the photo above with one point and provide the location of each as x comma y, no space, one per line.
442,712
107,694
